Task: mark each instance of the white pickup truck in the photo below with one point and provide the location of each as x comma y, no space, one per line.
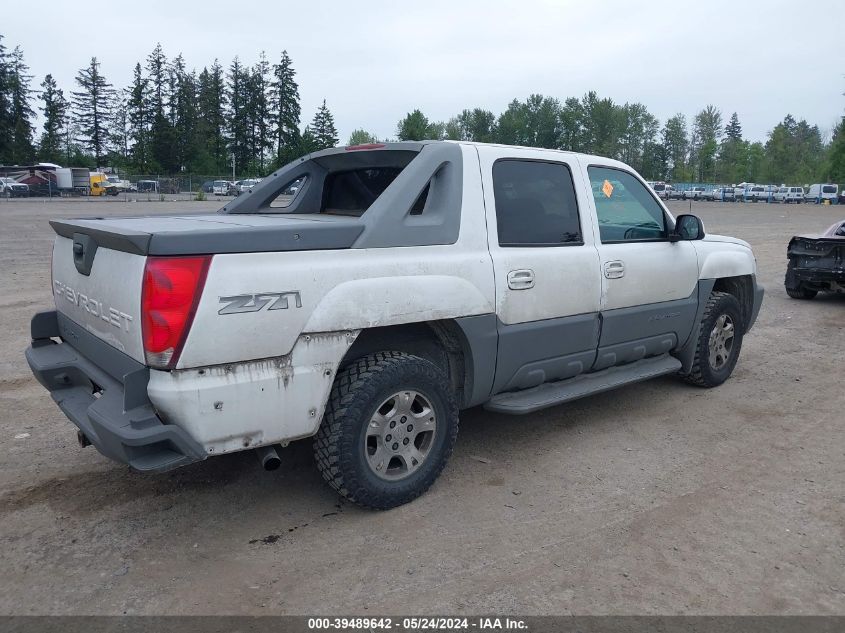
364,295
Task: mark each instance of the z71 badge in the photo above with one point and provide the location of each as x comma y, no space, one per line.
238,304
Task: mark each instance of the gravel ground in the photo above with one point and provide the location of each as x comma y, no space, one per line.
659,498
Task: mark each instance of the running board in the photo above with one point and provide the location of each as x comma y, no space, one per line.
551,394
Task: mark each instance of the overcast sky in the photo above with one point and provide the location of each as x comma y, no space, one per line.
375,61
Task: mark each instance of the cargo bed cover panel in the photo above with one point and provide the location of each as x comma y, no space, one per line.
213,234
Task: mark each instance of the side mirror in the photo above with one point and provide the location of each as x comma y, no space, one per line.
688,227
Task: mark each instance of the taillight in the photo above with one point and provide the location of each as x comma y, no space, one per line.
171,291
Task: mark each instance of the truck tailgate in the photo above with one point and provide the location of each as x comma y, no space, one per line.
107,300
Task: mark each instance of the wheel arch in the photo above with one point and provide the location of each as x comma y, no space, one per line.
741,287
464,349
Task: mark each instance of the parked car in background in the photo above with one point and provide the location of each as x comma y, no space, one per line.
147,186
675,194
662,190
789,194
11,188
723,194
120,184
816,263
246,185
820,192
694,193
755,193
221,187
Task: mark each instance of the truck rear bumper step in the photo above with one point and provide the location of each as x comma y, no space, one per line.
114,415
555,393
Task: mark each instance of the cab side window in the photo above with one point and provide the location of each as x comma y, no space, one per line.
535,204
627,211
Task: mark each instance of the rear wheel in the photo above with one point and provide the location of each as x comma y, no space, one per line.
388,431
794,287
719,341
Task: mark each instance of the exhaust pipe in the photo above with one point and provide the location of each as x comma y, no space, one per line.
268,457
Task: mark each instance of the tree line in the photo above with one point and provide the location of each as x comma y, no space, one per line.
170,119
708,150
167,120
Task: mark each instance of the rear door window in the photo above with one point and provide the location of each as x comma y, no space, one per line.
535,204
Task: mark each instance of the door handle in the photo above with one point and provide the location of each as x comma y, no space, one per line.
614,269
521,279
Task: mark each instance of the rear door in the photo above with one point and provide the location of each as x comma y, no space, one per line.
649,284
545,263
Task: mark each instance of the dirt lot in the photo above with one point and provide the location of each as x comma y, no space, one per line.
659,498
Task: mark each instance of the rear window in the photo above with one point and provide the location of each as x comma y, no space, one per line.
659,187
829,189
352,192
757,189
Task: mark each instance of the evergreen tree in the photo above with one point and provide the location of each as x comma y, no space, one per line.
183,114
238,96
91,109
733,130
211,113
285,109
161,131
19,81
7,121
261,121
414,127
733,153
54,109
119,129
323,129
139,119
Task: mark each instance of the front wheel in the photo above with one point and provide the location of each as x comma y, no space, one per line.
719,341
388,430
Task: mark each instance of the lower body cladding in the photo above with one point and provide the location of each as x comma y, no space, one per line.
227,408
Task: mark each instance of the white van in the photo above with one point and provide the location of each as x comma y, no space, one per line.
820,192
789,194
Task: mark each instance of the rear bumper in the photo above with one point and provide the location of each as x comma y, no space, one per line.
820,275
106,400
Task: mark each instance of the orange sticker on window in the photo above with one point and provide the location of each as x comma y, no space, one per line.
607,188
